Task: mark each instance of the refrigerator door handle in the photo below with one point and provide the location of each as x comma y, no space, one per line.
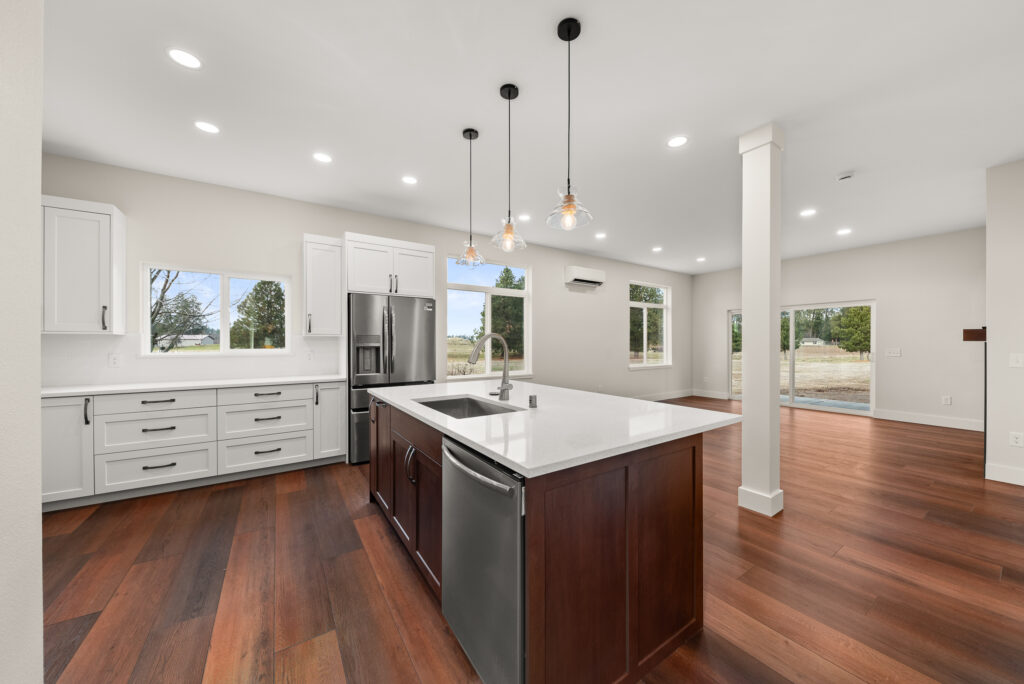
393,335
385,341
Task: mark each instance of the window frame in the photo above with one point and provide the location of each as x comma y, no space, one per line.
224,314
667,317
488,291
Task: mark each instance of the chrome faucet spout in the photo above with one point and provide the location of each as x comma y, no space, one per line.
474,356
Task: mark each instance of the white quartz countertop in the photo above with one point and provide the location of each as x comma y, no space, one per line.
568,428
92,390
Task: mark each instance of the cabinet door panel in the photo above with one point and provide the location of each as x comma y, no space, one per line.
414,272
428,519
404,508
67,448
330,429
76,281
381,462
323,289
370,267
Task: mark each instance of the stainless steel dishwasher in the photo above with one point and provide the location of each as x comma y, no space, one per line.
482,562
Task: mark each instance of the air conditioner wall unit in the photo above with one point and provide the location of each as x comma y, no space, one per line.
588,277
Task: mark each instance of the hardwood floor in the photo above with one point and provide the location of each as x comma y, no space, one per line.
894,560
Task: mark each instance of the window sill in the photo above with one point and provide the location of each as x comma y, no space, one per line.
520,375
237,353
649,366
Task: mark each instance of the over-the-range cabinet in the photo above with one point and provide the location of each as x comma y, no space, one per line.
391,342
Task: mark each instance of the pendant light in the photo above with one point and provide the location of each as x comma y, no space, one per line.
507,240
569,213
470,257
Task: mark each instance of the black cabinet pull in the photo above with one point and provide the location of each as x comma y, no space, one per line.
316,395
396,283
103,317
409,464
266,394
85,409
163,429
165,465
309,323
267,451
146,402
260,420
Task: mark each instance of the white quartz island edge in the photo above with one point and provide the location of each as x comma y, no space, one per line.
568,428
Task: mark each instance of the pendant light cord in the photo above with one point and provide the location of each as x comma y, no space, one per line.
509,190
568,126
470,192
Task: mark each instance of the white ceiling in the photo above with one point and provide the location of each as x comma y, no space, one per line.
917,96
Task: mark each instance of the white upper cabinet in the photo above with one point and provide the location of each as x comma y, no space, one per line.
83,267
385,266
322,267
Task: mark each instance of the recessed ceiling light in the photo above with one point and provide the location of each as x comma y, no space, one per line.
524,217
655,249
844,231
322,157
600,236
207,127
185,59
677,141
701,260
807,213
409,180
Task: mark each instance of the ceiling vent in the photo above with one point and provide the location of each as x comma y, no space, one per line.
587,277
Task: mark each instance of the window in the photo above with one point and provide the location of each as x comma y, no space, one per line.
483,299
824,356
649,332
187,313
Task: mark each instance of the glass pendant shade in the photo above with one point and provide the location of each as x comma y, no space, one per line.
508,240
470,257
569,214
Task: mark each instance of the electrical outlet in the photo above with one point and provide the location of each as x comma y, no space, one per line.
895,351
947,400
1016,360
114,360
309,356
1017,439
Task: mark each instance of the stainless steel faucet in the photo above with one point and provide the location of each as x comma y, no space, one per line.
474,356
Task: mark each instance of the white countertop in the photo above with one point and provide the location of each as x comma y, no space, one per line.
569,427
86,390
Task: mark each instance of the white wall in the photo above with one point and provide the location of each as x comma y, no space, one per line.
21,117
925,291
1004,287
580,338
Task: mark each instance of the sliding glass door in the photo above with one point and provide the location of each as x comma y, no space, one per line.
825,357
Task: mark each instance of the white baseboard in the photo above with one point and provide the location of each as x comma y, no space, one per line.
710,394
975,424
670,394
1004,473
759,502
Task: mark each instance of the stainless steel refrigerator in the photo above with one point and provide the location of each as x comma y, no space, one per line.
391,341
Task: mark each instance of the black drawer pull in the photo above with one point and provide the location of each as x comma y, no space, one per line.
266,394
271,418
267,451
165,465
146,402
164,429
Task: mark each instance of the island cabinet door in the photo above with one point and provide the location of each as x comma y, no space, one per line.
427,474
381,464
403,508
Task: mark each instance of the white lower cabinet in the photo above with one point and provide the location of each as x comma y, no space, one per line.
131,431
249,420
234,455
330,420
67,448
131,469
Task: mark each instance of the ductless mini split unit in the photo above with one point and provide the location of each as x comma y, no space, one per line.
586,277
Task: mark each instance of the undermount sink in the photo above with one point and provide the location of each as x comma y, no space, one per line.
466,407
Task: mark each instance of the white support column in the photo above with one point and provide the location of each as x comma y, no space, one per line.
762,267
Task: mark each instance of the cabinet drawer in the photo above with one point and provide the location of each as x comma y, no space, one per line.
264,393
154,401
131,469
264,419
249,454
128,431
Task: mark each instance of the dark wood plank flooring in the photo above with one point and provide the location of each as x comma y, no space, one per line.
894,560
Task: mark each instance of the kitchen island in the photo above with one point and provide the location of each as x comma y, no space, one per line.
608,579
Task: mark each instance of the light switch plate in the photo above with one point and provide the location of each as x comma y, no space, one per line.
947,400
895,351
1016,360
1017,439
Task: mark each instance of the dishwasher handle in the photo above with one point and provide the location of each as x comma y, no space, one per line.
485,481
